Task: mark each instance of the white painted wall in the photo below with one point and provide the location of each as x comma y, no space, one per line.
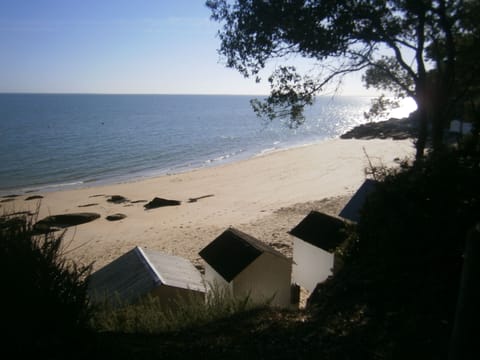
266,277
311,265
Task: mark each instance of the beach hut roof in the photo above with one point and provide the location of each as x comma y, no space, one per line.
321,230
139,271
351,211
233,251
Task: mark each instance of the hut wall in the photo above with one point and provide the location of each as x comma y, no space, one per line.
266,277
311,265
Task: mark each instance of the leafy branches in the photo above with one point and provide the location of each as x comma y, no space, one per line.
388,75
290,93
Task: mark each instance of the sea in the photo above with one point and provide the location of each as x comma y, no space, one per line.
51,142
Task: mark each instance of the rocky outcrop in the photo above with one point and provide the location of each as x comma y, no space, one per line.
397,129
159,202
56,222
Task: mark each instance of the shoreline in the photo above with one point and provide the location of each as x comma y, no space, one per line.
226,159
263,195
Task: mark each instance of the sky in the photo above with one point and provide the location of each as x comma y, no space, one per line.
119,46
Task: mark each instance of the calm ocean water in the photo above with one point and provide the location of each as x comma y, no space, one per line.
51,142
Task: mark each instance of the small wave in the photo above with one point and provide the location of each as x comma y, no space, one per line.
266,151
64,184
220,158
52,186
224,157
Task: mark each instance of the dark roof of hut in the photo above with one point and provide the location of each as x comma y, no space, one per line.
321,230
233,251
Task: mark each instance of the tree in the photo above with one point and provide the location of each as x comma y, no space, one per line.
405,47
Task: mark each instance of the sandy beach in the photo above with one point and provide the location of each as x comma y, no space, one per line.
264,196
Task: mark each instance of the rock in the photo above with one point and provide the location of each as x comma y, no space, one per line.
117,199
87,205
34,197
55,222
159,202
116,217
195,199
397,129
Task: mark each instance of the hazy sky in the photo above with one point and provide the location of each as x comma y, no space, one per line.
117,46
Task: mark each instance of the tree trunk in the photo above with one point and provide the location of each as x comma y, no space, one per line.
422,118
422,123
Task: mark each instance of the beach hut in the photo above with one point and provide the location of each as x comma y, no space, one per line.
352,209
142,272
246,266
315,239
460,127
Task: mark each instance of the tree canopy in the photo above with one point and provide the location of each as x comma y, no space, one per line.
408,48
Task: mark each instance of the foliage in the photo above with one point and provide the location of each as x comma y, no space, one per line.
412,237
44,296
408,48
429,205
149,316
380,106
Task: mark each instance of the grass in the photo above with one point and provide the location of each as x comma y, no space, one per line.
150,316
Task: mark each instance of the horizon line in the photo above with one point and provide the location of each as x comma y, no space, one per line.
163,94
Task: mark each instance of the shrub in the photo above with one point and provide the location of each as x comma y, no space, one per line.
44,296
412,236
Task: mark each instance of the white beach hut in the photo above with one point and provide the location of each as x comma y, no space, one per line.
142,272
315,239
247,266
352,209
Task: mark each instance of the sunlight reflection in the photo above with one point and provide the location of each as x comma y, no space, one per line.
406,107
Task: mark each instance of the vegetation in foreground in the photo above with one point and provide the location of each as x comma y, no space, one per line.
45,305
149,316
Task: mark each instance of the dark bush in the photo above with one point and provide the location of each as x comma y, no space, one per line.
412,238
44,298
